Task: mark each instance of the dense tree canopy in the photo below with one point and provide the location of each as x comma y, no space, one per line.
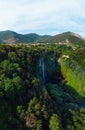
29,103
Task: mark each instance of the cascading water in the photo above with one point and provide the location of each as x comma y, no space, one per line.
43,74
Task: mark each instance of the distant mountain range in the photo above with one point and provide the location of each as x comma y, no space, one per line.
13,37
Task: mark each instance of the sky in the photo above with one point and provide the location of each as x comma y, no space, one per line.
43,16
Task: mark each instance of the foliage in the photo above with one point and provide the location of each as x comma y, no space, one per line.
25,99
74,75
55,122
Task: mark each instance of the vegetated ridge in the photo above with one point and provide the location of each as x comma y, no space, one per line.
13,37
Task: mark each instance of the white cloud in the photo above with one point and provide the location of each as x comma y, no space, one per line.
46,15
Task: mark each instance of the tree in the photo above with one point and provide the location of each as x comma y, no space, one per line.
39,125
12,57
54,123
9,88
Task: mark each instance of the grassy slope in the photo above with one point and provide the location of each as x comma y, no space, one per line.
74,76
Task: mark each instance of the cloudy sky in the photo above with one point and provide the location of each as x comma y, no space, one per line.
43,16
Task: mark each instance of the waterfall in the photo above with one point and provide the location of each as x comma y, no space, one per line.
42,64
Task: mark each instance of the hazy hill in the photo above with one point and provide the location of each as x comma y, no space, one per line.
9,36
66,37
13,37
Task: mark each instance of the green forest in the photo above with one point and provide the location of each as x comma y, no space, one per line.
42,87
